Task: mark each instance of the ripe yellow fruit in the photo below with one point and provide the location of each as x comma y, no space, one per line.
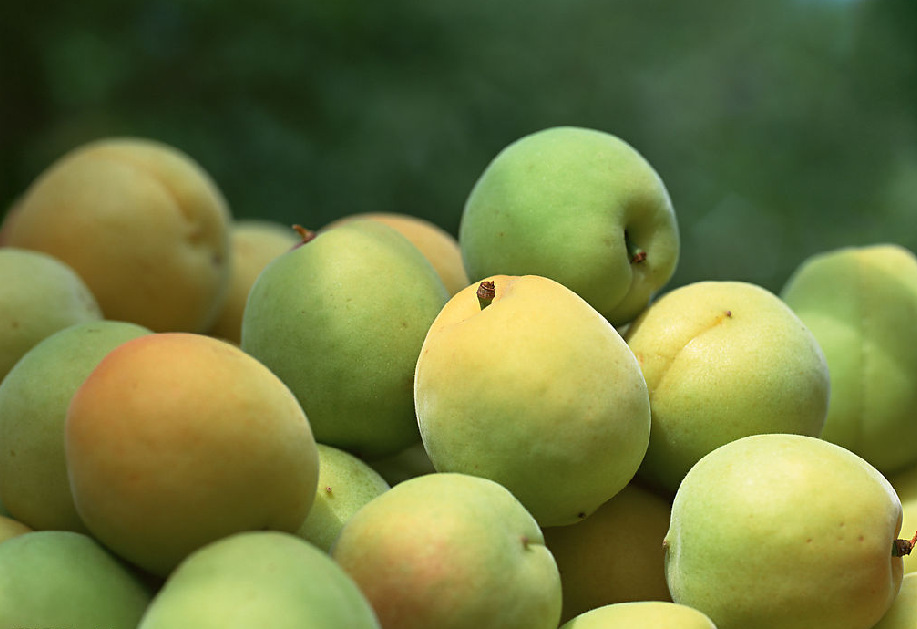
175,440
533,388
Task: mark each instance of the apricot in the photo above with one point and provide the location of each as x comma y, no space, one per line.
175,440
253,244
141,222
532,388
33,407
39,295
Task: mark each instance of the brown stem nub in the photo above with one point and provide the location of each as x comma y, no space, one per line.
486,293
635,253
903,547
305,234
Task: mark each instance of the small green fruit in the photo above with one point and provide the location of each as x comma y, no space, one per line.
579,206
33,408
861,304
259,579
345,483
67,579
39,295
341,319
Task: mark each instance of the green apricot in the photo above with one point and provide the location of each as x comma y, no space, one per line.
33,407
341,320
861,304
579,206
345,483
67,579
788,531
39,295
259,579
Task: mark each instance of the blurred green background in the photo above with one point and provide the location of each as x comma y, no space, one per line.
780,127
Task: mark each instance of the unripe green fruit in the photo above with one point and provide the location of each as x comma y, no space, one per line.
259,579
341,319
39,295
33,408
579,206
345,483
861,304
67,579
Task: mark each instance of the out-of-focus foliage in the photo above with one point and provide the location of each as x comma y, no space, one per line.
780,128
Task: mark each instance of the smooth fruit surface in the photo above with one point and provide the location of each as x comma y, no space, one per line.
579,206
141,222
253,245
641,615
436,244
454,552
861,304
615,555
33,407
535,390
341,319
345,483
67,579
39,295
784,531
724,360
903,612
259,579
175,440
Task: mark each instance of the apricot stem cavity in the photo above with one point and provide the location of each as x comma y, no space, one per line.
486,293
903,547
635,253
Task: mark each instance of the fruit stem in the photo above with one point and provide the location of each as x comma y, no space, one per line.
635,253
486,293
305,234
903,547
